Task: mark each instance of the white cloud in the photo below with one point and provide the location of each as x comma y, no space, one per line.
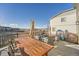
17,26
13,25
42,26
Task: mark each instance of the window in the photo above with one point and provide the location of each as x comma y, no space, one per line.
63,19
77,22
53,29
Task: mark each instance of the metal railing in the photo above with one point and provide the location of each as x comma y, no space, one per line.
5,38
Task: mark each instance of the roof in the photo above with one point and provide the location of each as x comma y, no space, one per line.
63,12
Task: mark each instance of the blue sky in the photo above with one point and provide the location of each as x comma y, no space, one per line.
20,15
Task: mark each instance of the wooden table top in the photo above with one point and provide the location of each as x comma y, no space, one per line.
33,47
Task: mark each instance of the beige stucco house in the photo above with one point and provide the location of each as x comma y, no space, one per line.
66,20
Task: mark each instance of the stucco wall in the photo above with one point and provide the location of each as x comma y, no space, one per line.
69,23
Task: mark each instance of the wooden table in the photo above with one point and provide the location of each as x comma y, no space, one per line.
33,47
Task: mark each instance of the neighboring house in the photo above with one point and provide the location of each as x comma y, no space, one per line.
66,20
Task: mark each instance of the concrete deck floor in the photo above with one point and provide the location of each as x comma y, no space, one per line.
63,48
